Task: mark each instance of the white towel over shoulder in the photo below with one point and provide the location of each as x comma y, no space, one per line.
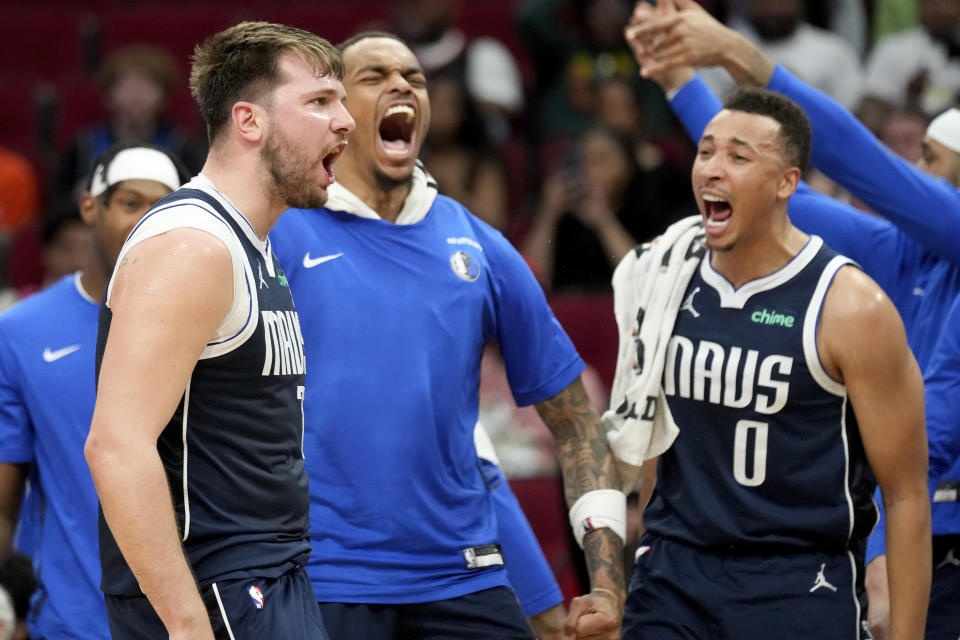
648,288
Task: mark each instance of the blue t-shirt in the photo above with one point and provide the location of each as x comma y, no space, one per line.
47,347
394,320
912,254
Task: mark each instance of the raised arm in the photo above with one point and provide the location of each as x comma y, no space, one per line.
925,207
170,293
942,382
885,390
587,466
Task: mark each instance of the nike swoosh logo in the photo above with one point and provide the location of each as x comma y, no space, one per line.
51,356
310,263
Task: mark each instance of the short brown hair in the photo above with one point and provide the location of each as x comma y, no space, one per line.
155,62
240,63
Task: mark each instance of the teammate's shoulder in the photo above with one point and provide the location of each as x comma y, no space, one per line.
28,310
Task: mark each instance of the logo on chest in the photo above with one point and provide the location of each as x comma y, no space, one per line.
465,266
728,376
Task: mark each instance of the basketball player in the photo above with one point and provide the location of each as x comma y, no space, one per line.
47,347
764,501
196,442
400,289
911,253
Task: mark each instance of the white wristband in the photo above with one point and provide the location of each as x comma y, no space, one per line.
598,509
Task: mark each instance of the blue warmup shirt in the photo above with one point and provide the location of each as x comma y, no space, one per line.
395,318
47,348
913,254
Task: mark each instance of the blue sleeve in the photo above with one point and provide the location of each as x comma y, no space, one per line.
923,206
16,429
868,240
529,573
540,359
942,393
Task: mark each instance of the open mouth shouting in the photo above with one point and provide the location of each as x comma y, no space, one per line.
396,131
330,160
718,213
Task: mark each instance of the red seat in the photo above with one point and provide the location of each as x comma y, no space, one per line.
41,42
589,321
18,117
177,31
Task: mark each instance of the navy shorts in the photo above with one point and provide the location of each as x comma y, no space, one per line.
943,617
244,609
491,613
680,592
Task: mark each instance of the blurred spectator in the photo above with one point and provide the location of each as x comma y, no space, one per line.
19,204
903,131
19,191
459,155
486,66
17,577
66,243
819,57
620,108
135,83
572,56
919,67
595,206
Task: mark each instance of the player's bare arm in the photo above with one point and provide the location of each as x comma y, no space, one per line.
168,298
587,465
13,478
862,342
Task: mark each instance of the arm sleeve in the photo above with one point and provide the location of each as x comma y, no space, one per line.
540,359
868,240
16,428
942,396
529,573
925,207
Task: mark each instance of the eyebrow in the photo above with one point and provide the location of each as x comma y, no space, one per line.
737,141
382,70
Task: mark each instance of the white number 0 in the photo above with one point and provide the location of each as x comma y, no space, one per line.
741,437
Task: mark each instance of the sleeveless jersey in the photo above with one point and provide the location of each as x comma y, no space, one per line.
232,451
769,455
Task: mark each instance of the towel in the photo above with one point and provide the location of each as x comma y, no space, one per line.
648,288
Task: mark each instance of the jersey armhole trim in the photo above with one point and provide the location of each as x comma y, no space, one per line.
812,320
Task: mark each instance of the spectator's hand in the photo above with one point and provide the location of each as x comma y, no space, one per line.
878,594
558,195
595,616
595,209
548,625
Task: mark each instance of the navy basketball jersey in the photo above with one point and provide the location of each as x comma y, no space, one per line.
232,451
768,454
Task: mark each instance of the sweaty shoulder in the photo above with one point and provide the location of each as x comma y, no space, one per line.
856,321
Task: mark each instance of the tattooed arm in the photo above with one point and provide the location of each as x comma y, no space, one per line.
587,465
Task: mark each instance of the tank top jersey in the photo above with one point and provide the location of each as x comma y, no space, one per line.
232,451
768,457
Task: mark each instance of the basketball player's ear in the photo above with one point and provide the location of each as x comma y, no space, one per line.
89,209
788,182
248,119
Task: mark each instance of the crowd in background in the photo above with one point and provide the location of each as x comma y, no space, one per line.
541,124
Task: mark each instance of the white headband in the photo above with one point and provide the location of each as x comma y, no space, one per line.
136,163
945,129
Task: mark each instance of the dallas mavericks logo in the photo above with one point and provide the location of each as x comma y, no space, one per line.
256,595
464,266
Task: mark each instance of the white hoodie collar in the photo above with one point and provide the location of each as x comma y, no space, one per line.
422,194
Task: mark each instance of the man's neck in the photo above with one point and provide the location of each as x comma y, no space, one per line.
386,199
758,256
233,178
94,277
